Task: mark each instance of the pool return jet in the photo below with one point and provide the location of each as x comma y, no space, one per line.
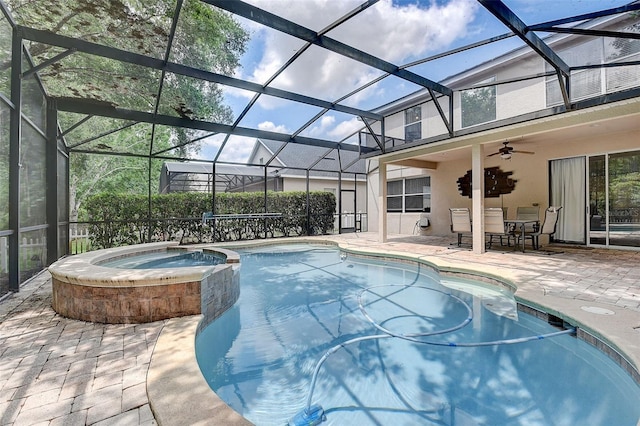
313,414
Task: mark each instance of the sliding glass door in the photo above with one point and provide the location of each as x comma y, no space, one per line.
614,199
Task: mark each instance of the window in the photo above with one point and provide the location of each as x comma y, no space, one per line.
584,83
409,195
413,124
394,196
588,83
622,50
478,105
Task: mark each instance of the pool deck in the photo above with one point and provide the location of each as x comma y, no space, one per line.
57,371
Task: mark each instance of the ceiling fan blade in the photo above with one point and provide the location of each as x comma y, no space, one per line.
495,153
523,152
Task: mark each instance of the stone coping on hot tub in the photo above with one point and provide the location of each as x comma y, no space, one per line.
85,269
83,289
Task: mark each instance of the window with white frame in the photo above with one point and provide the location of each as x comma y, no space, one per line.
413,124
588,83
622,50
584,83
478,105
409,195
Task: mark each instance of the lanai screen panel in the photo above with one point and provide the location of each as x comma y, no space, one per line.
104,135
356,37
142,27
307,157
5,47
228,149
381,90
193,98
273,114
204,47
103,80
4,166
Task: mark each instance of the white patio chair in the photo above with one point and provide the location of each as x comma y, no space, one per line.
548,227
460,222
494,226
528,213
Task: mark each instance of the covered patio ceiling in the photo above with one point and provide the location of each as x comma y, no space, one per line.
338,35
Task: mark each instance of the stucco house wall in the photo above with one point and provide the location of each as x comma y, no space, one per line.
296,183
530,171
512,100
509,98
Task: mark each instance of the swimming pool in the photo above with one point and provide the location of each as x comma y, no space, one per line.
299,302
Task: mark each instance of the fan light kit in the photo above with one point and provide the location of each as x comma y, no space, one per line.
507,151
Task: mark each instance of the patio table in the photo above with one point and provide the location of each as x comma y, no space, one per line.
522,224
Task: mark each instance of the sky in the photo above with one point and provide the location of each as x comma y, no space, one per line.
397,31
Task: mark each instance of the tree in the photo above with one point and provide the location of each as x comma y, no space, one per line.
93,173
206,38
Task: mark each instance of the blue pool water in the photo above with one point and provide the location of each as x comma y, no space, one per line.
298,302
165,259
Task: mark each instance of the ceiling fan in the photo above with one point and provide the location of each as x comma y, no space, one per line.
506,151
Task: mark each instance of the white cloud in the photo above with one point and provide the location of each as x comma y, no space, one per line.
346,128
398,33
236,150
321,127
268,126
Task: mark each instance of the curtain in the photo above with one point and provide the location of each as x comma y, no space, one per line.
568,188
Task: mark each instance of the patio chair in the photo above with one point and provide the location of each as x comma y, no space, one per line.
494,226
528,213
460,222
548,227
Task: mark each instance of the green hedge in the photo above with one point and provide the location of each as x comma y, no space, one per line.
121,219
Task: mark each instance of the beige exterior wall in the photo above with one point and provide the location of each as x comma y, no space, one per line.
530,171
300,184
432,123
262,153
511,99
397,223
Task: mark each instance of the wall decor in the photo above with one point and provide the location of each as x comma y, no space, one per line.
496,183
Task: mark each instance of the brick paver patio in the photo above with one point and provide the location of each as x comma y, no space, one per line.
57,371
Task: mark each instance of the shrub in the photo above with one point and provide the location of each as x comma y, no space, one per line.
122,219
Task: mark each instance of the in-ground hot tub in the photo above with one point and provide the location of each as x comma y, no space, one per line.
85,289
